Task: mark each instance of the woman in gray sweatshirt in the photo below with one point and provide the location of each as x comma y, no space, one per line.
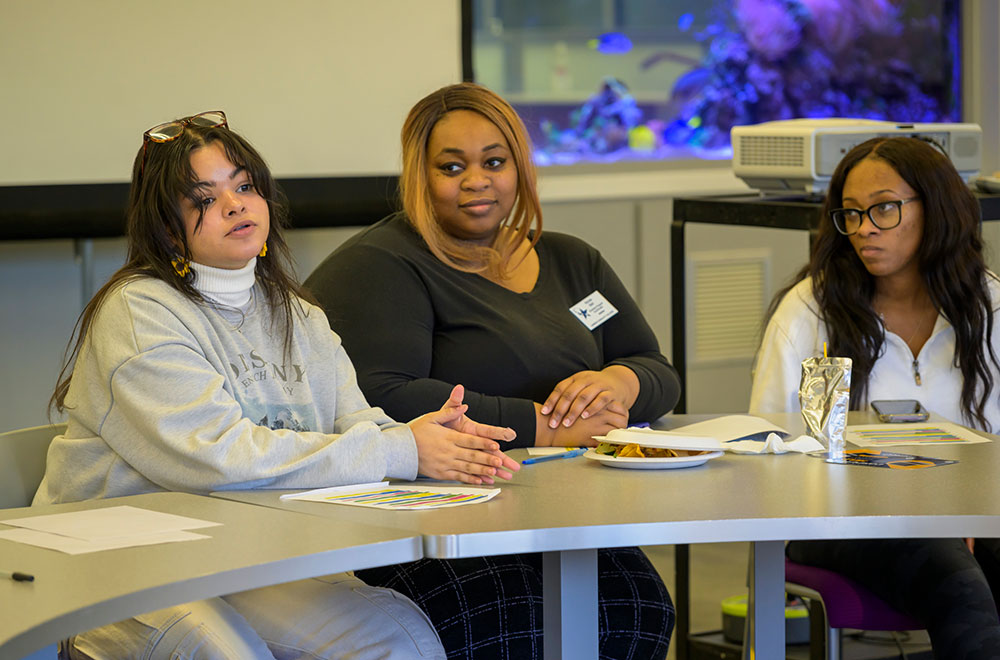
201,365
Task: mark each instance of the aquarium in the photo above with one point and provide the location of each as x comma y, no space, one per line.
642,80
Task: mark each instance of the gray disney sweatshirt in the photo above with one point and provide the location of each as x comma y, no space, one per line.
169,394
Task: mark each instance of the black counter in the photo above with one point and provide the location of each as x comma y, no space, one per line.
97,210
794,212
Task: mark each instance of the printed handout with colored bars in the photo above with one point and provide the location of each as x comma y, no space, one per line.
398,497
916,433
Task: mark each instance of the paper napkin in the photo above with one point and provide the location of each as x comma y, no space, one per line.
775,445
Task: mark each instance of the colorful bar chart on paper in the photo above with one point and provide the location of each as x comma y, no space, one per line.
885,435
398,497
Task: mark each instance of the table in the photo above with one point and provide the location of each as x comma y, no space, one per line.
567,509
254,547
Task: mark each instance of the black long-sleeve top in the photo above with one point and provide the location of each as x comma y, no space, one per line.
414,327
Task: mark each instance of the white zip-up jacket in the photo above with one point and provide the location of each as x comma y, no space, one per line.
797,331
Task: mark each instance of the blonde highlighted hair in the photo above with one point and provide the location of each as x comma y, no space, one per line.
414,187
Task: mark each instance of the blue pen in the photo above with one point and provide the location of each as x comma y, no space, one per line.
552,457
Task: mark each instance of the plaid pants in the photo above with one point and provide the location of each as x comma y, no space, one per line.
490,608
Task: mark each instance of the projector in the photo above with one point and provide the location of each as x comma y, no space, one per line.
799,155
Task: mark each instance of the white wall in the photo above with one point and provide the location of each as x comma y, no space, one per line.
320,86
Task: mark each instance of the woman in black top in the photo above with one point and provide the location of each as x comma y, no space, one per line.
464,287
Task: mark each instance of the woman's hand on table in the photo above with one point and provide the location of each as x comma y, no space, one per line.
452,446
580,434
587,393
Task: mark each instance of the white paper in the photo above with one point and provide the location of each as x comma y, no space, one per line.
731,427
910,433
548,451
109,523
75,546
333,490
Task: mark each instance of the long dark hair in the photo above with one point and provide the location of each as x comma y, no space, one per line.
950,259
156,236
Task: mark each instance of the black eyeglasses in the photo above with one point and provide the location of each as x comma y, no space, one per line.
884,215
172,130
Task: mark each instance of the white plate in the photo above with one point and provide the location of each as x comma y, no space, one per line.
660,439
637,463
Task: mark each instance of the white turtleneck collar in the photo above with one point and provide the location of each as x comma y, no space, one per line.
223,286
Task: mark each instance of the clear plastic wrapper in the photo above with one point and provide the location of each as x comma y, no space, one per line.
825,397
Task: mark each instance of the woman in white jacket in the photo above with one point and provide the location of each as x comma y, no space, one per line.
897,282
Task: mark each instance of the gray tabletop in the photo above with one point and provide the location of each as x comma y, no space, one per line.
575,505
254,547
578,503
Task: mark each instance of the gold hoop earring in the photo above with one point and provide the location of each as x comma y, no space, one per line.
263,250
181,266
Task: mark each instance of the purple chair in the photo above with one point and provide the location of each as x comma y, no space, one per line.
845,604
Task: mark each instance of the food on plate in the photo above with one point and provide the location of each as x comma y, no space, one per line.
632,450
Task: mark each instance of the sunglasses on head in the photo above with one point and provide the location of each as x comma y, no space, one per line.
172,130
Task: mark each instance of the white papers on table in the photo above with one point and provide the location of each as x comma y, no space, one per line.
398,497
744,434
78,532
747,434
732,427
74,546
548,451
911,433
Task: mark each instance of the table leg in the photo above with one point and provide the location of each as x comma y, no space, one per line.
569,607
766,607
678,309
682,601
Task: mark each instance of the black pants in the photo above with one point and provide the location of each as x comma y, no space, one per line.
936,581
487,608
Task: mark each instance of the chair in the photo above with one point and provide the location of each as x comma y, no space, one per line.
22,462
843,604
22,465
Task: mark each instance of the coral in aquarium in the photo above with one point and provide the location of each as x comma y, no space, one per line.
776,59
603,124
780,59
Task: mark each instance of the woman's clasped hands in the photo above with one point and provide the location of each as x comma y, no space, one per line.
452,446
586,404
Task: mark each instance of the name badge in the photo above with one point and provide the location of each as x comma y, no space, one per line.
593,310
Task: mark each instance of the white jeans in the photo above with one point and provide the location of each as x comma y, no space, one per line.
332,617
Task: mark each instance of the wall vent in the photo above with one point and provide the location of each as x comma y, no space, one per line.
726,304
